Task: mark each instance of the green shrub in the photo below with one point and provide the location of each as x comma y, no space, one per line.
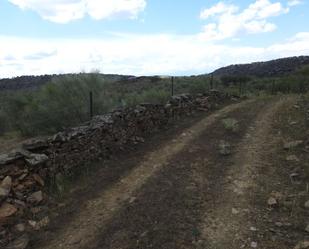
231,124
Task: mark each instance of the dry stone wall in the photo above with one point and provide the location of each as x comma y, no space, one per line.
25,172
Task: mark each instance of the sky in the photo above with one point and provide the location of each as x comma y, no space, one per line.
147,37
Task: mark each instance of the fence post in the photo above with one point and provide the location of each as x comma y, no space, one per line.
172,87
90,104
240,88
273,87
211,82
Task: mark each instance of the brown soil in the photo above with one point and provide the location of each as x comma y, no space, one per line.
178,191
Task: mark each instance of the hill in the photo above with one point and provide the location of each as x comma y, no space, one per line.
273,68
34,82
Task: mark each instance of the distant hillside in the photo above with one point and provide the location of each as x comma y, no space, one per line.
34,82
24,82
277,67
265,69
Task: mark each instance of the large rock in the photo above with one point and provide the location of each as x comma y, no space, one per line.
292,158
38,179
302,245
19,243
37,159
7,210
272,202
35,144
6,159
292,144
306,205
5,187
36,197
59,137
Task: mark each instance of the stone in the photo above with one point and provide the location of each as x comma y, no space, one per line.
294,176
292,144
6,159
139,140
38,225
279,224
306,205
37,159
19,243
272,202
277,195
224,148
7,210
19,203
235,211
59,138
20,227
302,245
254,244
43,223
35,144
292,158
33,224
38,179
22,177
132,199
296,106
36,197
36,210
19,153
74,240
307,228
5,187
293,123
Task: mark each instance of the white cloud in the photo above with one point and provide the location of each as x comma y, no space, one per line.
63,11
130,54
40,55
230,22
219,8
294,2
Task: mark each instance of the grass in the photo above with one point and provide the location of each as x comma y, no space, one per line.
230,124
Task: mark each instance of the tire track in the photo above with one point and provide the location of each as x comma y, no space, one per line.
85,227
168,211
230,223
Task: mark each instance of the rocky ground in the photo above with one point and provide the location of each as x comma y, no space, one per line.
237,178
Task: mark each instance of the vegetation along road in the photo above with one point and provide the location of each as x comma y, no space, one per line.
233,179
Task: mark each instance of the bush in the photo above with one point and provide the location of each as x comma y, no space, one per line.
230,124
64,102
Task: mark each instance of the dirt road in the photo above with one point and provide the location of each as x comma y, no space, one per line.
197,188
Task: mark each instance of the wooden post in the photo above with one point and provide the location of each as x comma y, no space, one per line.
273,88
211,82
240,88
90,105
172,87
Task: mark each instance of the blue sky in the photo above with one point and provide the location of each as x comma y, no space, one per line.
147,37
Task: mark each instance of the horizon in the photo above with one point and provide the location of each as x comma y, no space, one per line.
154,75
146,38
